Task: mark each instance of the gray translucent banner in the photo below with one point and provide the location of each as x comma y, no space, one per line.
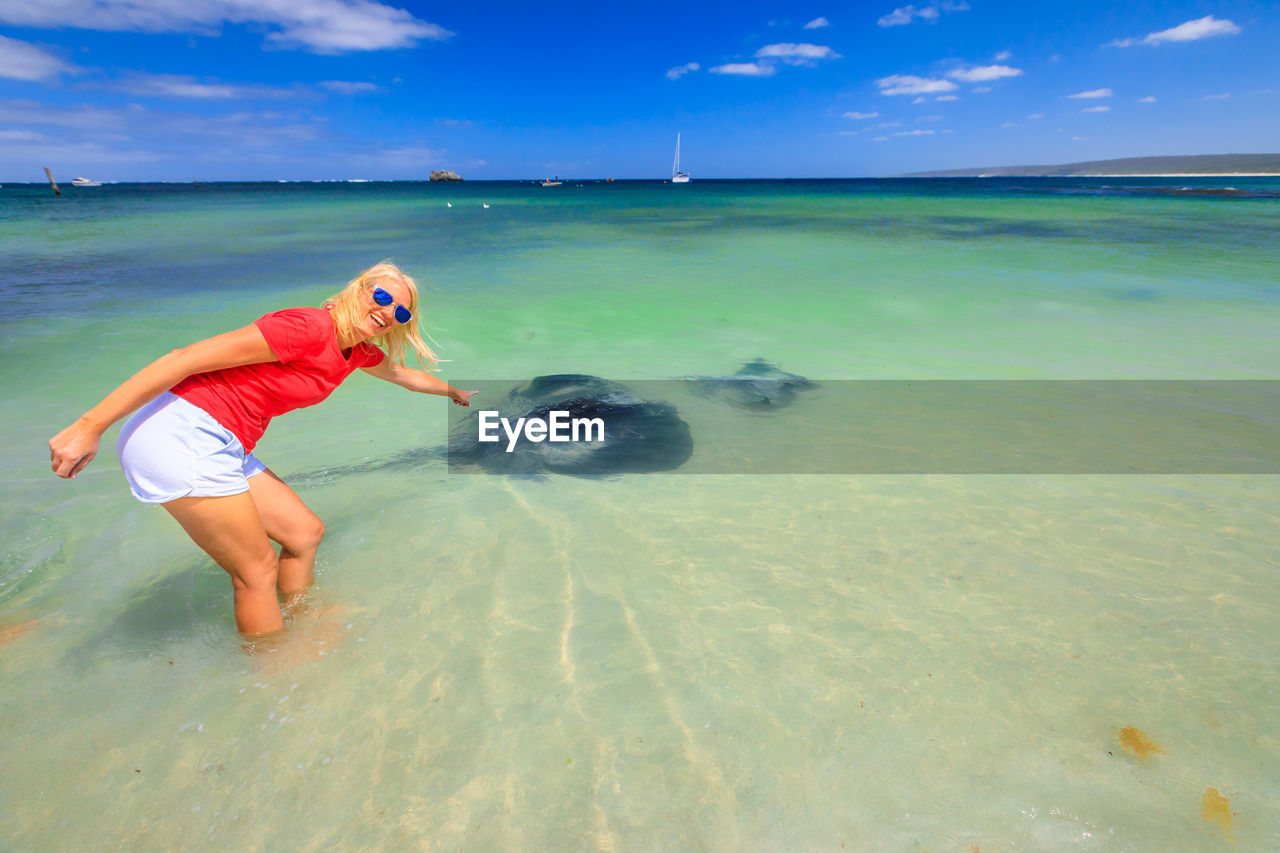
790,425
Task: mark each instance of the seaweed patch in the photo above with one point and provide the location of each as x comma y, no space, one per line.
1137,743
1216,809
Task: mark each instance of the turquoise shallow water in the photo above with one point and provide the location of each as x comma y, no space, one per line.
650,662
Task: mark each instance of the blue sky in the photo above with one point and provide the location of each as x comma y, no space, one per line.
308,89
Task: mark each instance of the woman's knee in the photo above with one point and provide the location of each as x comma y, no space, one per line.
302,536
309,534
257,574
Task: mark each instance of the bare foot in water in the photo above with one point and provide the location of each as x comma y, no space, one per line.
299,606
311,632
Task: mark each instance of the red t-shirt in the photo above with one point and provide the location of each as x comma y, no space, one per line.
244,399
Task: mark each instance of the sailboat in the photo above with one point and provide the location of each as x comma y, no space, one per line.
677,176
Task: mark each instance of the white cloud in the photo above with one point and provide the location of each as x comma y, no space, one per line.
817,24
681,70
898,17
17,153
907,84
1093,93
889,124
947,98
881,139
181,86
1003,55
981,89
245,129
768,57
903,15
1221,97
80,118
20,60
1200,28
916,133
320,26
1102,109
345,87
797,54
1149,99
856,116
745,69
1009,124
929,118
20,135
1036,115
848,133
983,73
407,156
921,100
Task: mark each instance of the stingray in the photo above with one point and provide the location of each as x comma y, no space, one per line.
758,386
639,435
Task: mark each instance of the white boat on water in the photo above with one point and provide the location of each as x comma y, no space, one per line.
550,183
677,176
84,182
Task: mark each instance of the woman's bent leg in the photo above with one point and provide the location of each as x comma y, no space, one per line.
230,531
289,522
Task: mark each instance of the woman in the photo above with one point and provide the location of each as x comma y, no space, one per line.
204,407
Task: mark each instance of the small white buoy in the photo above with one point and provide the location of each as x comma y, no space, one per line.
486,207
449,203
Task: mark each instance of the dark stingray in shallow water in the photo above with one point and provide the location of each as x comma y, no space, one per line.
639,435
757,386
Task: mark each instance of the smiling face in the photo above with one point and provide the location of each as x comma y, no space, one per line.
376,320
358,318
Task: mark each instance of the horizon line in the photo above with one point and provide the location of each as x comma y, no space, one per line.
915,176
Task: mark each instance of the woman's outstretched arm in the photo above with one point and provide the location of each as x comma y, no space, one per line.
418,380
73,448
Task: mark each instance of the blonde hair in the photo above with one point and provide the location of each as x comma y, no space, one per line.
348,307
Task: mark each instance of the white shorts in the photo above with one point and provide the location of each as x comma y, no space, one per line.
172,449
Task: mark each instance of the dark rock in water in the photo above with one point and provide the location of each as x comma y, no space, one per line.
639,435
757,386
444,175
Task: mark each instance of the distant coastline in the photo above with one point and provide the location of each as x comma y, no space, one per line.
1189,166
978,174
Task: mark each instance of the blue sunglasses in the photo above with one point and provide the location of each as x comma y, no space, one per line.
380,296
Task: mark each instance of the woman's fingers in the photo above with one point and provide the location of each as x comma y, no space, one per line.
68,454
66,467
84,460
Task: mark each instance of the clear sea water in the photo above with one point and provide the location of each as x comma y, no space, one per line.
650,662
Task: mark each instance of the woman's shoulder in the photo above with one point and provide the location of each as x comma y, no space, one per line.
301,314
292,331
304,319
